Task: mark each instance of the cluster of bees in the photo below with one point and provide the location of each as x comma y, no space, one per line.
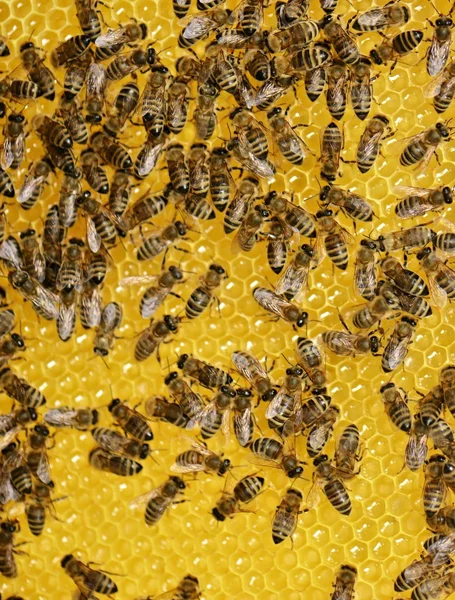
62,276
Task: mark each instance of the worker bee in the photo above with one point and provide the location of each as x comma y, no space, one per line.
8,530
90,305
78,418
101,222
198,27
129,62
159,407
404,279
247,192
438,587
96,83
439,50
414,305
370,142
352,205
198,207
248,232
332,240
344,583
251,369
361,89
397,346
342,43
52,132
76,75
331,145
119,195
443,521
198,167
7,319
13,422
243,419
125,34
421,147
261,167
181,7
249,15
70,274
292,38
32,258
415,573
132,422
203,295
304,59
422,200
110,152
396,407
246,490
88,18
296,217
393,49
104,460
442,89
291,146
365,277
88,580
10,346
37,71
272,90
376,19
311,360
294,280
321,431
434,489
337,89
257,65
70,50
328,6
251,133
220,178
204,115
413,237
112,441
430,405
178,170
33,184
153,100
35,509
154,335
95,268
15,466
42,300
149,154
416,448
159,242
159,500
315,82
177,105
200,458
94,174
348,453
6,185
443,438
328,478
190,402
290,12
111,319
145,208
36,454
380,307
447,380
216,414
283,456
204,373
279,233
287,399
280,307
13,148
285,518
66,321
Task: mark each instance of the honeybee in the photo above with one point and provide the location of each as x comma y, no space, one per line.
328,6
8,530
321,431
7,320
400,45
283,456
200,458
295,216
42,300
328,478
332,240
15,467
331,145
397,346
365,276
106,461
159,500
287,399
126,34
110,152
257,65
197,28
310,358
292,38
70,50
53,235
76,75
188,588
246,490
430,405
416,448
33,259
443,521
434,489
112,441
380,307
344,46
190,402
37,71
36,454
438,587
315,82
88,580
149,154
415,573
272,90
158,407
404,279
248,232
145,208
348,452
66,321
177,105
280,307
422,146
279,233
376,19
376,130
96,83
35,509
159,242
345,582
61,158
34,183
95,268
153,100
290,12
199,170
294,280
90,305
352,205
442,89
447,380
337,89
414,305
261,167
70,274
119,195
286,516
100,221
216,414
422,200
396,407
439,50
14,422
361,89
203,295
154,296
79,418
251,369
204,373
132,422
88,18
111,319
6,185
243,420
291,146
94,174
247,192
126,64
154,335
251,133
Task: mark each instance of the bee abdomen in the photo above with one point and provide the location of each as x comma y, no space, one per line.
36,518
337,250
338,497
197,303
21,479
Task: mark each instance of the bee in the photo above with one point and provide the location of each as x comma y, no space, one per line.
122,466
278,234
223,71
292,38
203,295
198,27
280,307
285,518
10,346
438,587
70,50
43,301
376,19
251,369
337,89
251,133
353,205
415,573
243,419
177,105
15,466
365,276
78,418
37,71
88,580
380,307
159,500
36,455
443,521
159,242
153,336
200,458
294,280
13,148
247,192
332,240
434,489
4,50
7,320
111,152
370,142
110,440
442,89
188,588
199,170
220,178
404,279
76,75
331,146
445,241
246,490
153,100
119,195
132,422
291,146
94,174
125,34
126,64
53,235
315,82
61,159
257,65
216,415
88,18
347,452
149,154
311,360
35,510
345,583
248,232
413,237
422,146
290,12
250,16
342,43
422,200
327,478
66,321
8,530
111,319
69,112
439,50
414,305
416,448
13,422
33,260
90,305
400,45
430,406
286,401
204,373
70,274
296,217
396,407
272,90
190,402
443,438
204,115
96,84
243,154
101,222
145,208
178,170
271,451
154,296
303,60
361,89
160,408
321,431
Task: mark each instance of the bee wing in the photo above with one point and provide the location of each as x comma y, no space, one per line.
437,294
110,316
225,426
242,426
248,366
375,18
60,417
293,280
398,146
271,301
189,468
438,55
416,450
426,159
314,495
96,79
319,249
268,91
318,435
66,320
208,415
144,499
275,404
93,238
436,85
261,167
201,448
7,155
110,440
111,38
153,151
7,491
370,146
46,300
198,27
10,252
6,422
9,437
43,470
91,306
29,187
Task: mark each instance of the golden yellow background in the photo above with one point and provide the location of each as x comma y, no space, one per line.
237,558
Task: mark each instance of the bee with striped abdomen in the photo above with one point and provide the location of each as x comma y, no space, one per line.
327,478
200,459
294,280
291,146
434,489
131,421
393,49
111,319
286,516
391,15
203,295
190,402
348,452
352,205
311,359
154,335
331,146
106,461
8,530
112,441
159,500
370,142
37,71
70,50
344,583
220,178
421,147
439,50
177,105
283,456
396,407
342,43
79,418
156,243
332,239
198,27
321,432
230,503
204,373
251,369
403,278
361,89
216,414
422,200
337,88
280,307
13,148
248,233
287,400
88,580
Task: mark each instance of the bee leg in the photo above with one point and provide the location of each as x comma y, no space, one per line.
175,295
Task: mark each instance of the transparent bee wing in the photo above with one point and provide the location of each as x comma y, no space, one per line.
437,294
314,495
96,79
7,155
111,38
144,499
152,152
66,320
271,301
91,306
43,470
9,437
29,187
408,190
273,408
110,316
93,238
248,366
438,55
242,423
46,300
8,492
198,27
10,252
60,417
375,18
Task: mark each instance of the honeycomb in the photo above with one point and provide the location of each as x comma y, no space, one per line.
236,558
